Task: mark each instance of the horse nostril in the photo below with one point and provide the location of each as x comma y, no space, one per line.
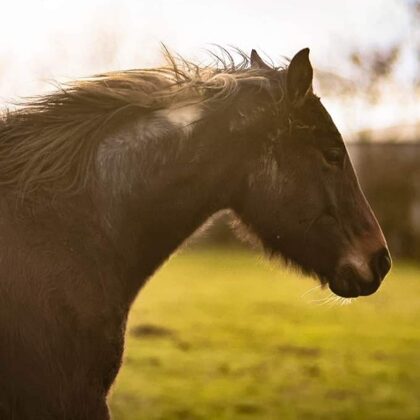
381,263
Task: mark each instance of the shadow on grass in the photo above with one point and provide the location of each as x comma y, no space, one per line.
152,331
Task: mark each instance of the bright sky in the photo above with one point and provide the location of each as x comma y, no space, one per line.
61,39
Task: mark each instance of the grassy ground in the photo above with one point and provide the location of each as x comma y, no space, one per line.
223,334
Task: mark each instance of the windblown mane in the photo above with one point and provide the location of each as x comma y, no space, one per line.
51,141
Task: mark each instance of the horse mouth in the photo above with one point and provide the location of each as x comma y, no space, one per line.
348,283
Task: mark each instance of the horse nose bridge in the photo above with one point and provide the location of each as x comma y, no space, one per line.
363,226
373,238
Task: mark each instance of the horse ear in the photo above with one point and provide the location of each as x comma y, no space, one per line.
299,77
257,62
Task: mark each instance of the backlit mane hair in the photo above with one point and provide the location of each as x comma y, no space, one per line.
50,142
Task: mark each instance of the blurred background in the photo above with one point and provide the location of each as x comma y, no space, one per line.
219,332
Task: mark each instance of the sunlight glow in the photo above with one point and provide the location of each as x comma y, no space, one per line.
58,40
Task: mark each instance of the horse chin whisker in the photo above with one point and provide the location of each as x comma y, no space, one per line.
346,301
324,300
329,300
312,289
336,301
332,300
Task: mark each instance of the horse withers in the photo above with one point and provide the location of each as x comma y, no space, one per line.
101,181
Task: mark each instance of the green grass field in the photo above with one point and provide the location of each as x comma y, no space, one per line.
224,334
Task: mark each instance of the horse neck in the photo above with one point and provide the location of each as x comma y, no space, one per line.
156,190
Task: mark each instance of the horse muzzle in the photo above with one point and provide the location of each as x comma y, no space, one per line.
359,278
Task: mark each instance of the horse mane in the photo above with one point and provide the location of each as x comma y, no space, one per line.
50,142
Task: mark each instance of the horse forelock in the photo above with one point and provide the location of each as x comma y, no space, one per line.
51,141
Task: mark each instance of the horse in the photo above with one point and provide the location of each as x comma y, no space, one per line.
104,178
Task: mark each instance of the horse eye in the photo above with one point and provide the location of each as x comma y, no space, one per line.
334,156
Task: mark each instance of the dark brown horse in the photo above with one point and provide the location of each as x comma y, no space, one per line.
103,180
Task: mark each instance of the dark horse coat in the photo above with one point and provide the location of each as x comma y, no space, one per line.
103,180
